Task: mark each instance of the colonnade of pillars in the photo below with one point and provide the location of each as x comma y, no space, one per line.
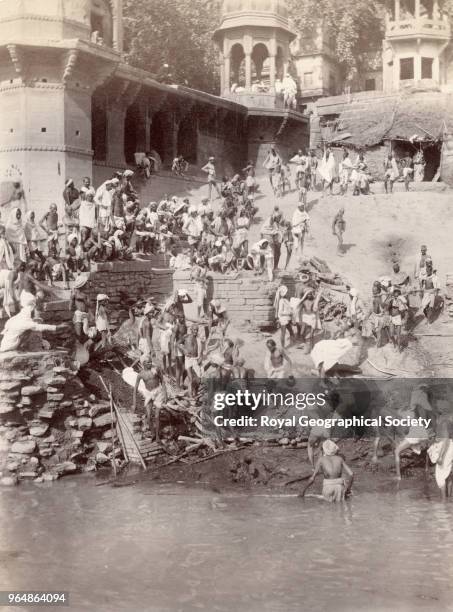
417,12
226,72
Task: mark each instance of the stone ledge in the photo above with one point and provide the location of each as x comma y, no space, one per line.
28,357
119,267
245,277
57,306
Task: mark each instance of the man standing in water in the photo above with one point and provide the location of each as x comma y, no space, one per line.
334,488
345,169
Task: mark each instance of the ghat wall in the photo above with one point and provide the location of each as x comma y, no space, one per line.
247,298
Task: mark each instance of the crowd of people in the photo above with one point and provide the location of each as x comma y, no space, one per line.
396,304
109,222
307,172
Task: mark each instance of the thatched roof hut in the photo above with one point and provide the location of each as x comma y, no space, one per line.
415,118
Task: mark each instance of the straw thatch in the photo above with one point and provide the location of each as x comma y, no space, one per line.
421,118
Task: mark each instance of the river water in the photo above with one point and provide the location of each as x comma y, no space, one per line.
152,547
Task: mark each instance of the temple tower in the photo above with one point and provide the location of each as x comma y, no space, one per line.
53,55
417,34
254,38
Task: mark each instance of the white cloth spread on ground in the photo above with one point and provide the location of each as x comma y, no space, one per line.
328,352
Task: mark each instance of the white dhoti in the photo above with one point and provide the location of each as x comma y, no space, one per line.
333,489
428,299
443,469
156,396
192,362
311,319
143,347
417,437
344,177
407,172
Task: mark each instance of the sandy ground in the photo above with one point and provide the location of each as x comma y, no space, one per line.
380,229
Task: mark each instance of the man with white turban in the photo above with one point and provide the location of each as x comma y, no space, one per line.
103,201
18,326
332,466
283,313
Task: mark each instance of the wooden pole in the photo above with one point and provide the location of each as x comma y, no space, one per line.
140,456
119,417
112,429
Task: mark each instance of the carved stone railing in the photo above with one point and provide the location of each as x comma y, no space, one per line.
436,28
256,99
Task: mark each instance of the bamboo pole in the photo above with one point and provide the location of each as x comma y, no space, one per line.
119,416
112,429
140,456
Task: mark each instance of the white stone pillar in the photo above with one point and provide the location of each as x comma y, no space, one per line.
396,72
417,9
272,71
436,70
397,10
417,67
226,74
248,71
436,14
118,26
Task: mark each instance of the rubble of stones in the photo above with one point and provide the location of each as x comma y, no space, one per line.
49,435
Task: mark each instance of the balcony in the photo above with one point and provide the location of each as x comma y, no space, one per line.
250,99
423,27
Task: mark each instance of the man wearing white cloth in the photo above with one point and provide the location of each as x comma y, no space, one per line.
300,226
18,327
151,386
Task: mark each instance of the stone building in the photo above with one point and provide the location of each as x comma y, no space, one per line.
416,52
313,56
254,39
417,36
71,107
410,108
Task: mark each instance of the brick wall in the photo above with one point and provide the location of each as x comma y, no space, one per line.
129,279
247,298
